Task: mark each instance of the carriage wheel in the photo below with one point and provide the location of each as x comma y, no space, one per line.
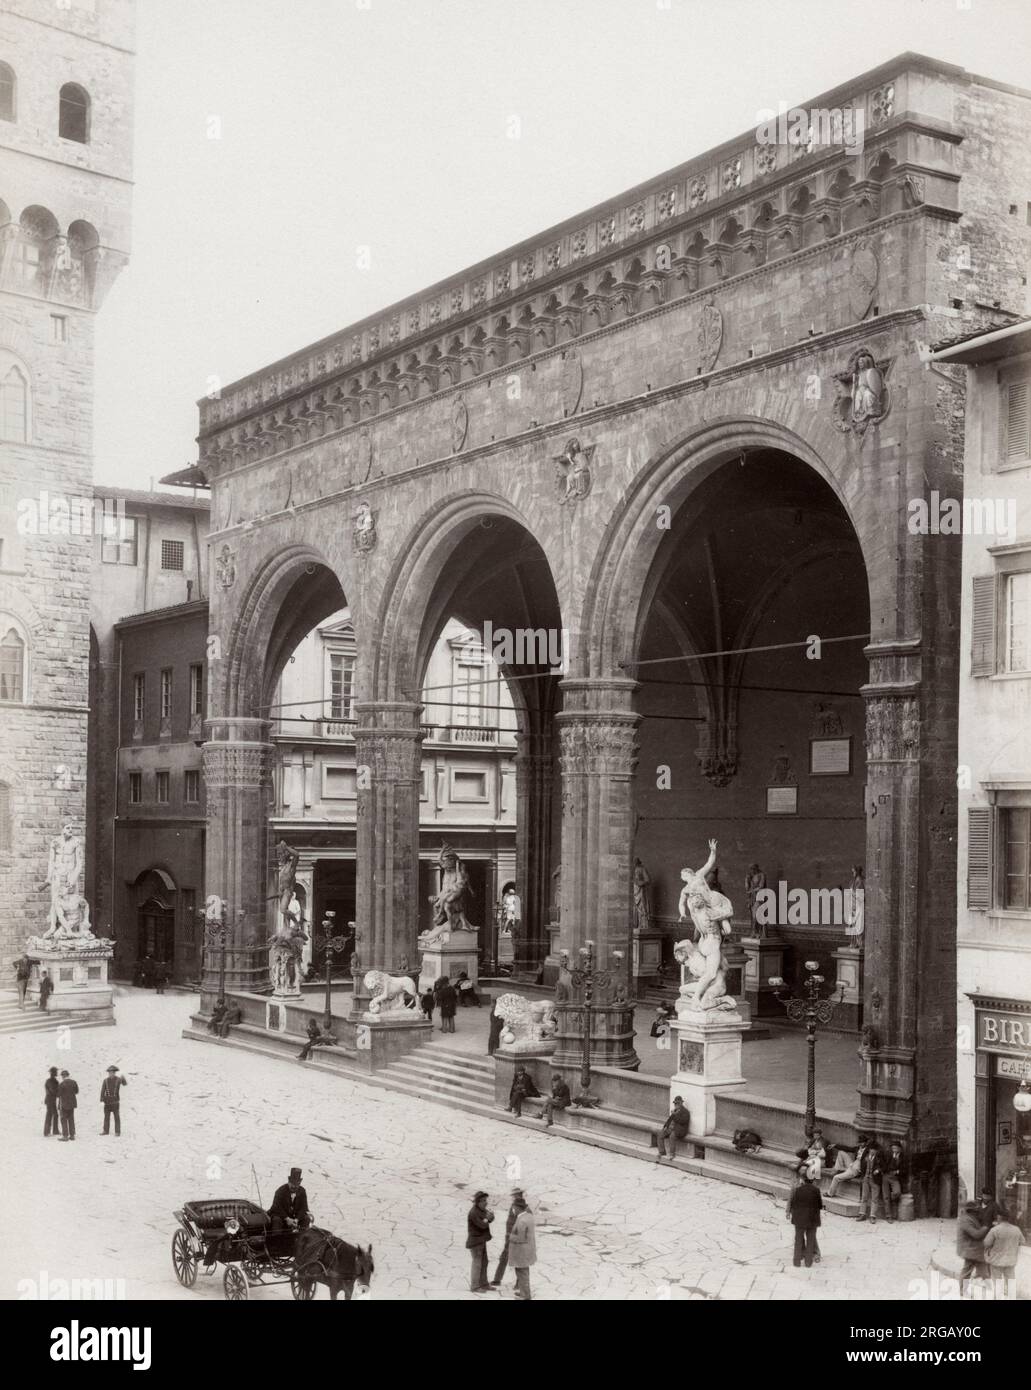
184,1260
302,1288
234,1282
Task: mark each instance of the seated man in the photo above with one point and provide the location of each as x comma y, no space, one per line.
218,1014
522,1086
848,1165
676,1127
466,991
289,1209
316,1038
560,1099
233,1016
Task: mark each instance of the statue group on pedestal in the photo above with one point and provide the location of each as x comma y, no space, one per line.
451,901
286,946
68,921
703,959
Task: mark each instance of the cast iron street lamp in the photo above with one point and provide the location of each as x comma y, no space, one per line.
587,978
332,945
811,1010
216,930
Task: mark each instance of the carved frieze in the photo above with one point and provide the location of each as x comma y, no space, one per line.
892,728
596,748
710,336
236,765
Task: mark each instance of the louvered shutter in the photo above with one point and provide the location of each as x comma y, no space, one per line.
979,858
983,626
1016,421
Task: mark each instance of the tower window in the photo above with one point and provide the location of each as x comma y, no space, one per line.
14,406
12,667
74,113
8,89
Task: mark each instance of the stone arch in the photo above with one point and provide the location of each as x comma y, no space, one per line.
258,641
402,645
613,613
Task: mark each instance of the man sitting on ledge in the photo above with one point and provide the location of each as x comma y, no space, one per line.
676,1127
233,1016
316,1038
560,1099
218,1014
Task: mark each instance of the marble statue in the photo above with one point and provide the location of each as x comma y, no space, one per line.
512,912
285,950
64,872
287,860
451,902
526,1020
703,960
755,882
556,893
389,993
642,897
856,923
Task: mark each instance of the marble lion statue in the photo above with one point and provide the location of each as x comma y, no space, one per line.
526,1020
390,992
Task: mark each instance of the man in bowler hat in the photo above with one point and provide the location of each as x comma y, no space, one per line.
66,1092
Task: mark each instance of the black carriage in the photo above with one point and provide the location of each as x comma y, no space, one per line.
236,1234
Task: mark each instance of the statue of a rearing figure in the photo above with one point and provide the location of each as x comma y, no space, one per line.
704,959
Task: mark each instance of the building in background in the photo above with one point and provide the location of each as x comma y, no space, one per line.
994,916
66,132
467,788
153,557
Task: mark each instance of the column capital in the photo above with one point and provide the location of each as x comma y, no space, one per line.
237,764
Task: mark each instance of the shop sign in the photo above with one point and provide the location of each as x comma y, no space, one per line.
1004,1032
1019,1068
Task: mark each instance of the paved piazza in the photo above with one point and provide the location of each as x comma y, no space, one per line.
384,1168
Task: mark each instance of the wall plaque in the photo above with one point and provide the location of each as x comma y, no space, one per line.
830,757
781,801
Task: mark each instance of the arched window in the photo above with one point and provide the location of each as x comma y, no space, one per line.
14,403
74,117
8,93
12,665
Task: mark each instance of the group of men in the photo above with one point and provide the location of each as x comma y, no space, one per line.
22,978
881,1176
988,1242
520,1249
524,1088
60,1096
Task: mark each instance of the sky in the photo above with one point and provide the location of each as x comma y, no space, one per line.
276,139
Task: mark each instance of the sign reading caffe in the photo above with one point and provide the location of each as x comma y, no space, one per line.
999,1031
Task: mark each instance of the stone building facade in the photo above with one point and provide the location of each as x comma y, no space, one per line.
993,937
684,423
66,132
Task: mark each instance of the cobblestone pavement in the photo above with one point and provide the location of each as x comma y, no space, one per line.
383,1168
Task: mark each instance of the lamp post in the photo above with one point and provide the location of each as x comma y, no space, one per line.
588,978
332,945
811,1010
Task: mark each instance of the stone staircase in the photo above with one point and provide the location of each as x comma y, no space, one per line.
433,1072
31,1020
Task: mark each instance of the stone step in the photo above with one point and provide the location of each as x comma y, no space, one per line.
42,1023
411,1076
433,1064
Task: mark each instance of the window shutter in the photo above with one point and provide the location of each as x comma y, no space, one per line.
979,858
983,626
1016,443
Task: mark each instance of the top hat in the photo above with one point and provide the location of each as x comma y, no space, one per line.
295,1173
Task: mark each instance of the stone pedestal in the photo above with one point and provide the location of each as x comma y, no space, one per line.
764,958
646,961
450,958
553,960
80,976
848,986
708,1060
612,1035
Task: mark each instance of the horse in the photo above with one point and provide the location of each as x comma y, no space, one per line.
322,1258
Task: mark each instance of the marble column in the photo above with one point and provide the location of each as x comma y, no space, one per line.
598,728
534,782
388,744
237,775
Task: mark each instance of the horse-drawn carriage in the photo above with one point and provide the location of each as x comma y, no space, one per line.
238,1235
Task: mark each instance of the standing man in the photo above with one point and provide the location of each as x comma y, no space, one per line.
560,1099
110,1099
66,1092
289,1209
51,1086
871,1176
1001,1250
22,971
676,1127
970,1235
513,1212
46,989
522,1247
804,1207
477,1236
893,1179
447,1002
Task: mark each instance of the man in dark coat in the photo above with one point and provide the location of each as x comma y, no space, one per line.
22,971
477,1236
676,1128
970,1233
289,1209
51,1086
560,1099
522,1086
804,1209
46,989
518,1196
497,1026
66,1092
110,1099
447,1001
